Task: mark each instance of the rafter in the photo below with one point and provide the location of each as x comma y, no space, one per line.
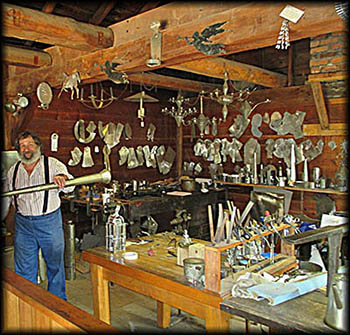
216,67
249,26
25,57
102,11
29,24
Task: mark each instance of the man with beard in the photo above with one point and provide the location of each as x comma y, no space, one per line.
38,218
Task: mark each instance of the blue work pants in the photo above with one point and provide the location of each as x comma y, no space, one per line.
45,232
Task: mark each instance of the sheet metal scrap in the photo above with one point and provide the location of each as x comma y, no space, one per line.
224,149
269,147
289,124
127,131
76,157
282,149
240,124
87,158
106,152
256,123
266,118
139,153
150,132
112,134
132,159
311,151
251,146
160,157
168,160
123,155
79,131
198,169
234,149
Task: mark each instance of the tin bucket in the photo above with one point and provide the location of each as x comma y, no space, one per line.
194,269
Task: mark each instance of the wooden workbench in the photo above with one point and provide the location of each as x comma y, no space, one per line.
157,277
302,314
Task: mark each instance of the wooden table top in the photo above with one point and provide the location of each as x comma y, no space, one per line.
161,264
301,314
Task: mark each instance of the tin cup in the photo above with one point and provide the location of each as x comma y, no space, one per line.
194,269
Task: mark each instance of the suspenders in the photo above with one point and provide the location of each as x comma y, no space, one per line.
47,180
14,182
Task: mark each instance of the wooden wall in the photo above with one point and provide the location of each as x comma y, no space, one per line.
285,99
63,113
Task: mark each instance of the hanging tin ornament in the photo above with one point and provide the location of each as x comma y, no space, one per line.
289,14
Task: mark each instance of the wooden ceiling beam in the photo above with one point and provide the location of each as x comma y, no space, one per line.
249,26
34,25
216,67
25,57
172,82
102,11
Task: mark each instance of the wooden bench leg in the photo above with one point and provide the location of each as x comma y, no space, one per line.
100,293
216,320
163,314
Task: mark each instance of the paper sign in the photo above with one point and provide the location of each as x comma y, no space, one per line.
291,13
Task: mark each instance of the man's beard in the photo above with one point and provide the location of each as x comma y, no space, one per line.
33,157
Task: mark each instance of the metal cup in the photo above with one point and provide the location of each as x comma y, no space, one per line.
316,174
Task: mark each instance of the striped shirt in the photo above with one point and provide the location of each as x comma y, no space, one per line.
32,203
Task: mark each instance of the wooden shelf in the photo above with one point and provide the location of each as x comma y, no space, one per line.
290,188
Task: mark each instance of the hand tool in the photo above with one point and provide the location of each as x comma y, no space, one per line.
220,228
211,223
230,227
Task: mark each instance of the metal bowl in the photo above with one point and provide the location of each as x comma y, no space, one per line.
309,267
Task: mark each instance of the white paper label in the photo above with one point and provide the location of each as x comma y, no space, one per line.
291,13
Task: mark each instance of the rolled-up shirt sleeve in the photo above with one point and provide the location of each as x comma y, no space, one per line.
61,168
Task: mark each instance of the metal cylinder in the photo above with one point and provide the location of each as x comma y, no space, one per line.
102,177
42,272
69,250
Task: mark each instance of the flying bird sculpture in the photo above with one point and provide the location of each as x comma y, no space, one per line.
113,74
202,43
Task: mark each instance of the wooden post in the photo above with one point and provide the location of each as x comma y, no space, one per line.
100,294
179,150
163,314
290,65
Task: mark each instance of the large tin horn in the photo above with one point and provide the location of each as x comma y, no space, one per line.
103,176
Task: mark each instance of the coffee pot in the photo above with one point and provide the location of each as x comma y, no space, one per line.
337,308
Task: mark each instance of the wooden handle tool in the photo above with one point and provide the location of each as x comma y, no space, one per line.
211,223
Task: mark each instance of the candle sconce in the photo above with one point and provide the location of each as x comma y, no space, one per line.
93,102
203,122
141,97
179,113
223,99
242,91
